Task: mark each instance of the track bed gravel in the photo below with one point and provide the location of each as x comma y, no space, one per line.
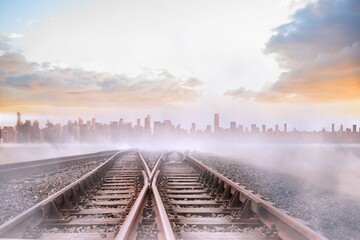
335,215
18,195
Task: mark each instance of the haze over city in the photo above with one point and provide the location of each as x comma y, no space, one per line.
254,61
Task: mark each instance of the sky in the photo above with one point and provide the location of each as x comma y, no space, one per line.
252,61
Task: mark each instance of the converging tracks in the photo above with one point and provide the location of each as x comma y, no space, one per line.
178,197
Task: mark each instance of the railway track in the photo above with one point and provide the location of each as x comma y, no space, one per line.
177,197
24,184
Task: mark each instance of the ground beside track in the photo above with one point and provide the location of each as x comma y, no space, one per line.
334,214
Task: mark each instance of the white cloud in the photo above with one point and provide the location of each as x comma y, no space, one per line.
13,35
220,42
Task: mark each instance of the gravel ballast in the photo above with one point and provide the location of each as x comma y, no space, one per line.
331,213
18,195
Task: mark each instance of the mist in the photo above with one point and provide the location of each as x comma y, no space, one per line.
329,166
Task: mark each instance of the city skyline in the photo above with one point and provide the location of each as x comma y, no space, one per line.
250,60
81,130
215,125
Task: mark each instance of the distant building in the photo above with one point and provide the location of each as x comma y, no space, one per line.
157,128
233,126
216,122
18,122
254,129
208,128
263,128
138,123
241,128
147,123
193,128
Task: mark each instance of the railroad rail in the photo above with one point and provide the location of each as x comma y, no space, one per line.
173,196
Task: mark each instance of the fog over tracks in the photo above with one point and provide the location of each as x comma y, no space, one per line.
322,205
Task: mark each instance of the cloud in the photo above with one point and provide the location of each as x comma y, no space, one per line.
320,48
192,82
25,83
260,96
323,26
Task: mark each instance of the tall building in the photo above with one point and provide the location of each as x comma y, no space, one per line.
208,128
333,128
157,128
18,123
263,128
254,129
168,127
354,128
81,121
121,122
285,127
18,127
147,123
241,128
193,128
233,126
216,122
138,123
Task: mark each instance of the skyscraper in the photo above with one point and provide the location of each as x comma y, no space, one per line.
216,122
233,126
263,128
147,123
208,128
193,128
157,128
18,119
138,123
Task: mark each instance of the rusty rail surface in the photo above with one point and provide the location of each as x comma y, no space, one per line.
143,163
156,167
166,226
33,214
288,227
129,224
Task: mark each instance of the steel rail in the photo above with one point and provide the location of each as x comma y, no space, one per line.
129,223
288,227
165,222
156,167
146,167
22,217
